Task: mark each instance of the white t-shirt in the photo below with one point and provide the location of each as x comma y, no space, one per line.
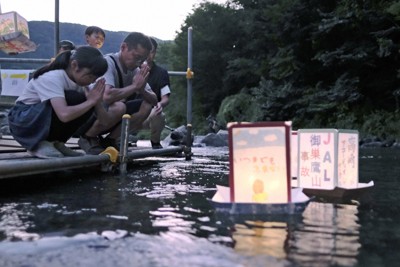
47,86
165,90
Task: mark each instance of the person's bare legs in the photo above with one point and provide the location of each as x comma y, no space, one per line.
136,121
114,116
90,141
156,123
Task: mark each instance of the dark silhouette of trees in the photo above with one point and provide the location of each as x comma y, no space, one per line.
316,63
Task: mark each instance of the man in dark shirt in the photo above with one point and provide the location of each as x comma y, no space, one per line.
159,82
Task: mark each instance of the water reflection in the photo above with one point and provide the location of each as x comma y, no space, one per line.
330,233
161,208
259,238
173,221
326,235
14,223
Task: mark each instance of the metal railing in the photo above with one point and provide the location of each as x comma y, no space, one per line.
24,60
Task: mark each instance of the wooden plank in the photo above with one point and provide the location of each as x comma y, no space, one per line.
7,101
8,145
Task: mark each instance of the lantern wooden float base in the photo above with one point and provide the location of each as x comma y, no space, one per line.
340,193
221,202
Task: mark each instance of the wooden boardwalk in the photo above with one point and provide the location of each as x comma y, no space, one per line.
16,162
9,148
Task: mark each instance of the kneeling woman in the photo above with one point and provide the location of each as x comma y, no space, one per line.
56,102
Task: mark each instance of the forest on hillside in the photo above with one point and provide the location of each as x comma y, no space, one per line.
319,64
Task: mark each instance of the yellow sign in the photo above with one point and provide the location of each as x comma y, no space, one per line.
13,82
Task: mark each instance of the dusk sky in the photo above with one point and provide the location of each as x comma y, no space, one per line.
158,18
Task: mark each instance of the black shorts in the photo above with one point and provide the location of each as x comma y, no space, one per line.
133,106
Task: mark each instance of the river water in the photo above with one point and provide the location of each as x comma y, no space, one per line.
160,215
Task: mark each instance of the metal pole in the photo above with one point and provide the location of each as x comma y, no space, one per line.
177,73
29,166
139,154
25,60
189,76
15,168
123,146
56,26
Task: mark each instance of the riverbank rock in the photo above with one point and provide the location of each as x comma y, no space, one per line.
178,137
376,142
218,139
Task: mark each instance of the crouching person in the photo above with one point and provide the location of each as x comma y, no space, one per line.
126,78
56,102
159,82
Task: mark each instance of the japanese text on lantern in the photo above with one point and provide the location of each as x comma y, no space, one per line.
316,159
348,159
259,164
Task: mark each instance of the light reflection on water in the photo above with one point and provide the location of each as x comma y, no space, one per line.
329,231
260,237
164,202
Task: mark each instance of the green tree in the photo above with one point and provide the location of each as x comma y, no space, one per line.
318,63
325,60
215,31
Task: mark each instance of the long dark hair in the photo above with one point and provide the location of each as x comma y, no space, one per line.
86,57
